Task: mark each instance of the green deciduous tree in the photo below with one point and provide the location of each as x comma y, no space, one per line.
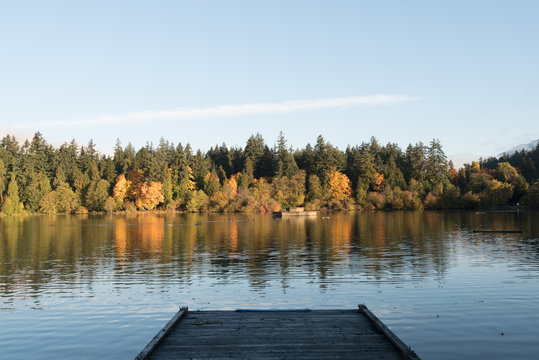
497,193
47,204
198,201
98,193
110,205
66,199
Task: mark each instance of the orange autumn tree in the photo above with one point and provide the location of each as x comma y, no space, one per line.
231,186
149,195
339,185
377,181
133,187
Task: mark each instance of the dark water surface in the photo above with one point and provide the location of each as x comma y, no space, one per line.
87,287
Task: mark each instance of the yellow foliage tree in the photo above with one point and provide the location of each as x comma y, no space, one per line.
339,185
120,190
149,195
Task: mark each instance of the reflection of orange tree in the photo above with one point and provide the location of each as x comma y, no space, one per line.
233,237
151,232
148,234
120,237
190,237
341,233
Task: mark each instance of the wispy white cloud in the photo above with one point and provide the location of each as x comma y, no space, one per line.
233,110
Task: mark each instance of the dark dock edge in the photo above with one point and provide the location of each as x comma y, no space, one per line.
152,345
405,350
498,231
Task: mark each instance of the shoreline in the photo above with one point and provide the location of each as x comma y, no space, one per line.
509,208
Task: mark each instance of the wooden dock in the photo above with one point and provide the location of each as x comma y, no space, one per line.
297,211
282,334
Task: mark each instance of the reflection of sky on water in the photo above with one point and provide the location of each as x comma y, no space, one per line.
113,281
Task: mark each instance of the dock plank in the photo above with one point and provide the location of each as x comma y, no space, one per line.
319,334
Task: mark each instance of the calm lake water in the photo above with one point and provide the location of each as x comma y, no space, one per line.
90,287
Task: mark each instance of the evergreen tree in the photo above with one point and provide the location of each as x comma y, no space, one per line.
321,159
42,154
286,164
44,185
393,175
12,203
179,157
415,160
10,152
186,186
118,158
165,152
129,158
367,169
222,175
2,180
67,158
221,158
327,158
60,177
260,155
211,183
93,171
81,182
246,178
238,160
306,159
31,193
150,165
436,166
200,166
314,188
107,169
167,186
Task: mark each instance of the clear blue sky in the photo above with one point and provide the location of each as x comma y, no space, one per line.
466,72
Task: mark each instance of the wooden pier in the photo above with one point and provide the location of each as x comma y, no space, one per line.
276,334
297,211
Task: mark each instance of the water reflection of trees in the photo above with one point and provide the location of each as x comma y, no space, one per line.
36,252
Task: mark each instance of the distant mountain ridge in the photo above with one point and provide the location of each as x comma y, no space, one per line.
528,146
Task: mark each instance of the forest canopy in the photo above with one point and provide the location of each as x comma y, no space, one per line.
36,177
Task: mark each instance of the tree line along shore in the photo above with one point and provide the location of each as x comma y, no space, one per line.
36,177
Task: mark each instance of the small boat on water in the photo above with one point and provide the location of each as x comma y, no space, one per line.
297,211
